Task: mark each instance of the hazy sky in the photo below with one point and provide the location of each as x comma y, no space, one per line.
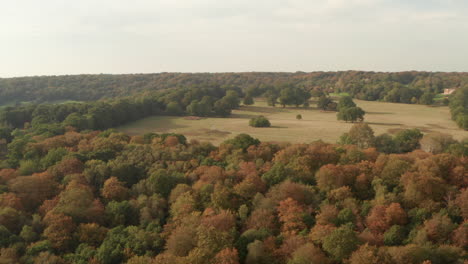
51,37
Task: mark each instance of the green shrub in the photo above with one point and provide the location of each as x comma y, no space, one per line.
260,121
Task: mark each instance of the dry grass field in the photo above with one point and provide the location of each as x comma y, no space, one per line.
382,117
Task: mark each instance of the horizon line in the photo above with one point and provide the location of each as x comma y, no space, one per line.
229,72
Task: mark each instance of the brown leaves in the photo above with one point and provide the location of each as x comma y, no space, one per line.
59,230
290,214
383,217
227,256
114,190
33,190
331,176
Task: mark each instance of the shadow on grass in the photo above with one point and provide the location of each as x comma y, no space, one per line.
152,124
436,126
396,130
384,124
380,113
262,109
246,116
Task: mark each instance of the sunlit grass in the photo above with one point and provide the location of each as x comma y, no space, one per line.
315,124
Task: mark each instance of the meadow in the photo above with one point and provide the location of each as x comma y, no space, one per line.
315,124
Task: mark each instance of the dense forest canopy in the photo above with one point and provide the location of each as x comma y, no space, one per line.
394,87
105,198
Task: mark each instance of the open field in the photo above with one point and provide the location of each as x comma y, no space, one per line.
382,117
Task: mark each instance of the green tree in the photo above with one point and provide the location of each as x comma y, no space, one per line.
174,108
161,182
248,100
276,174
427,98
76,120
324,102
121,213
232,99
345,102
362,135
408,139
242,141
259,121
394,236
341,243
119,239
385,143
271,97
351,114
222,108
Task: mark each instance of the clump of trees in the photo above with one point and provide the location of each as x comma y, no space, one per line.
259,121
427,98
287,94
404,141
294,96
348,111
326,103
52,119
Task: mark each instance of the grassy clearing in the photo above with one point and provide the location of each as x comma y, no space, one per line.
382,117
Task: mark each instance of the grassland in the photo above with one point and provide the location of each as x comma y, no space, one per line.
382,117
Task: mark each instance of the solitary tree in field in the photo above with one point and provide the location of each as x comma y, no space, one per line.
260,121
298,116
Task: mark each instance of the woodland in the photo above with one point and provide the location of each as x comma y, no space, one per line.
74,190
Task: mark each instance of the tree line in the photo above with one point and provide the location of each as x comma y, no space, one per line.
404,87
52,119
459,107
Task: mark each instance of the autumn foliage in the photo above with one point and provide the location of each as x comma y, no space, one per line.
111,199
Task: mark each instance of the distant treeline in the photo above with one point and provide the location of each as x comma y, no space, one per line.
52,119
393,87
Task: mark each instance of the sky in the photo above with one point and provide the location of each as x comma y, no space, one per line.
56,37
